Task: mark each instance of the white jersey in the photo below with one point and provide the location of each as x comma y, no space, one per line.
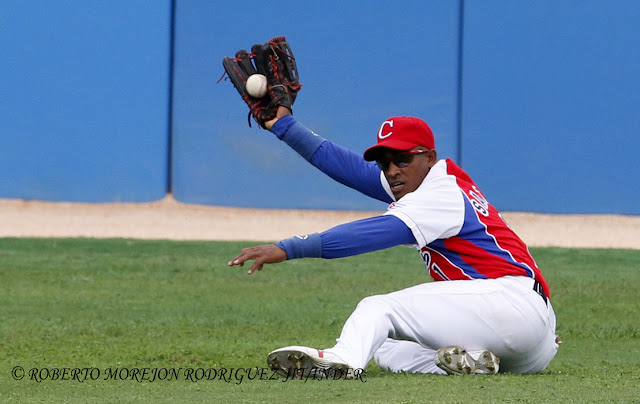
459,234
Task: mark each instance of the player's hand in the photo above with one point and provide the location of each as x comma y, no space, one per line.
282,111
262,254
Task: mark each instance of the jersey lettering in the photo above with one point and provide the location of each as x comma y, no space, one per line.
426,257
478,201
435,268
485,246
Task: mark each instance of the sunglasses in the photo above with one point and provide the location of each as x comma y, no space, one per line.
400,160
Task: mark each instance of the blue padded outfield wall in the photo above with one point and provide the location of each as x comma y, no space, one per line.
551,104
84,102
119,101
359,66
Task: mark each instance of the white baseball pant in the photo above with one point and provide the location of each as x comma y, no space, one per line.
402,330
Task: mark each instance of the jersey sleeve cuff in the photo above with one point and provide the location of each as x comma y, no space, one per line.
307,246
282,125
304,141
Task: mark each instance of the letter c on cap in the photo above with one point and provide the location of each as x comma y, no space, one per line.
380,135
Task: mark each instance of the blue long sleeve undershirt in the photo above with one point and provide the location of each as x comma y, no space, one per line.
352,170
359,237
342,165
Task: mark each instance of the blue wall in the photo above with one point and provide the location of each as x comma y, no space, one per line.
85,100
551,104
538,101
358,68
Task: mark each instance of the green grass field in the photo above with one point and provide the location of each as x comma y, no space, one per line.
109,307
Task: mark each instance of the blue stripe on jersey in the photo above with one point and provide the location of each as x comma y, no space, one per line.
487,241
475,231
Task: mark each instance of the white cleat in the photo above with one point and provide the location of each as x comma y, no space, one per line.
456,361
304,362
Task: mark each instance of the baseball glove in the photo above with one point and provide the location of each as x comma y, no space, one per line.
275,61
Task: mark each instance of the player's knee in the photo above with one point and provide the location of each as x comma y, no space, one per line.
376,304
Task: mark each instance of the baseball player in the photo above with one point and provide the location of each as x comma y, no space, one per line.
489,308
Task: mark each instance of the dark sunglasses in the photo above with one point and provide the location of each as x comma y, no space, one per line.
401,160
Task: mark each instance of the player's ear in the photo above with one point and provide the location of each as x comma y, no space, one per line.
433,157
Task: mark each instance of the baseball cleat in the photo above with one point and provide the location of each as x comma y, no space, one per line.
456,361
303,362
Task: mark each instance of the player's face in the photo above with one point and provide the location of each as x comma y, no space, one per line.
406,169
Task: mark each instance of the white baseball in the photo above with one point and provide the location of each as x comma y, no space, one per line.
257,85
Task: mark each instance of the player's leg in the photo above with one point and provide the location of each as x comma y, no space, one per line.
406,356
502,315
411,357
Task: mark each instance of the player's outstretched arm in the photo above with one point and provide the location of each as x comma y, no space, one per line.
262,254
340,164
344,240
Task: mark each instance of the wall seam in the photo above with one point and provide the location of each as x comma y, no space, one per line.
172,20
459,83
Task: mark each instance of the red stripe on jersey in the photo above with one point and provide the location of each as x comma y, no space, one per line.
499,252
490,265
440,267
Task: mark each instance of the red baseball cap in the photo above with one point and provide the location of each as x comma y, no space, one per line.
401,133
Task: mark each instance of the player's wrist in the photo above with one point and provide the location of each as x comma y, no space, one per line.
282,126
282,112
307,246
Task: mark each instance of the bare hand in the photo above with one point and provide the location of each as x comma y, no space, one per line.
282,111
262,254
